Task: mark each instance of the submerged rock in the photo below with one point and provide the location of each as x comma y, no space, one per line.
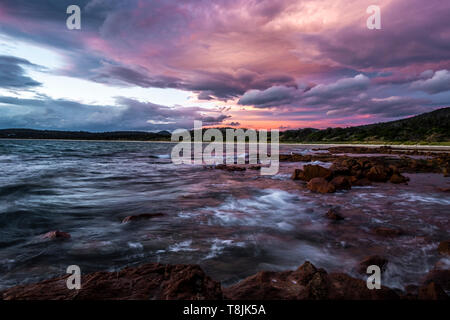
444,247
372,260
56,235
320,185
144,216
332,214
388,232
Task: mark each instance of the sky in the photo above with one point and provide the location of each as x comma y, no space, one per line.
159,65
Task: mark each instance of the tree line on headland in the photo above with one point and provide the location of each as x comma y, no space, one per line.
427,128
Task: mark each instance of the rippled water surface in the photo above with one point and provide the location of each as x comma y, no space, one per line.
231,223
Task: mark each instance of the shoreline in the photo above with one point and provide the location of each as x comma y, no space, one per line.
156,281
320,145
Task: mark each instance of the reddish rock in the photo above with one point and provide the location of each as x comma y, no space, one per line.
307,282
394,169
56,235
339,170
372,260
332,214
446,171
144,216
388,232
440,277
310,172
341,183
320,185
378,173
297,175
147,282
230,167
444,189
432,291
362,182
444,248
398,178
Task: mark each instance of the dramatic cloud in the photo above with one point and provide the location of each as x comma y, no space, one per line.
310,60
127,114
13,75
440,82
274,96
342,87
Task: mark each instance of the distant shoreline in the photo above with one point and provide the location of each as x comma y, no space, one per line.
319,144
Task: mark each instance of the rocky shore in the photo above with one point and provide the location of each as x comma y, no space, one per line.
188,282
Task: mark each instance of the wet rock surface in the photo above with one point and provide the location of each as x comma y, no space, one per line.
146,282
144,216
376,260
382,168
307,282
320,185
388,232
440,277
56,235
444,248
333,214
188,282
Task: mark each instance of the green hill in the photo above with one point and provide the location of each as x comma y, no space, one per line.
432,127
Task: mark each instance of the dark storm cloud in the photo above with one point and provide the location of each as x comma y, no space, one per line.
13,75
258,52
412,33
439,82
128,114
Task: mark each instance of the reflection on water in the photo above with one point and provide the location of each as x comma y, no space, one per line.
231,223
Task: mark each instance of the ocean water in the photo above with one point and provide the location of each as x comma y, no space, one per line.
231,223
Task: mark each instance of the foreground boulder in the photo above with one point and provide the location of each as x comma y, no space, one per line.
156,281
440,277
320,185
307,282
146,282
432,291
